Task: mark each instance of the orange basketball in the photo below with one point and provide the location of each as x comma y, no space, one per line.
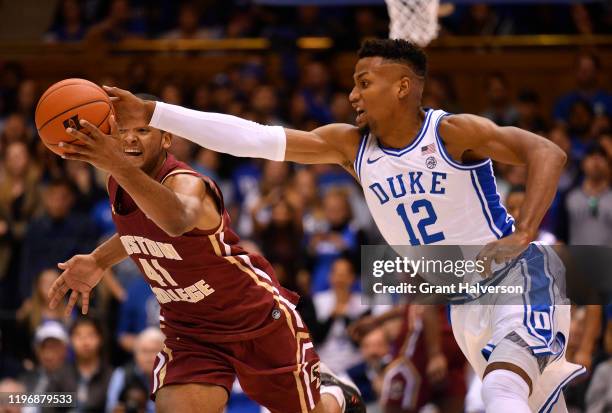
64,104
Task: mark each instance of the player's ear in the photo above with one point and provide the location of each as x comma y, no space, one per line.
404,87
166,140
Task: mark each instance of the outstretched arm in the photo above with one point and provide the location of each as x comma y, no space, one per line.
82,273
469,137
336,143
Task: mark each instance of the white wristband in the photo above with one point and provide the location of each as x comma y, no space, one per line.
222,133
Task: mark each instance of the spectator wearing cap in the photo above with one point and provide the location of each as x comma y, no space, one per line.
89,374
51,349
136,374
589,207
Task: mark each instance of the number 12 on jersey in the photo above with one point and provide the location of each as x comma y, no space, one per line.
422,224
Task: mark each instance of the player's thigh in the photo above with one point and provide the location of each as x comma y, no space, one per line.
188,398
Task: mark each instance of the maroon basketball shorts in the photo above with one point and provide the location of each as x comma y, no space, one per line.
279,370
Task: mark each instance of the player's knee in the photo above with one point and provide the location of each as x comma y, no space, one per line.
503,385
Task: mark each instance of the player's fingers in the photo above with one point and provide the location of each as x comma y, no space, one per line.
71,148
92,129
71,302
76,157
62,265
84,302
86,139
55,286
58,296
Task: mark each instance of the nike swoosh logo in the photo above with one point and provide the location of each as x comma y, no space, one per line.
370,161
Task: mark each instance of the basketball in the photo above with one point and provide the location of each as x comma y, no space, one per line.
64,104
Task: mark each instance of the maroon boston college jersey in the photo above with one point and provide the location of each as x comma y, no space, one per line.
208,287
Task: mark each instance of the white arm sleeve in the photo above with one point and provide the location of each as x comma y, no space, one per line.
221,133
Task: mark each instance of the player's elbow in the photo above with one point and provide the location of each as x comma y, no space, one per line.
556,154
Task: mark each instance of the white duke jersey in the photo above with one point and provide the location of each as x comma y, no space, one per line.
418,195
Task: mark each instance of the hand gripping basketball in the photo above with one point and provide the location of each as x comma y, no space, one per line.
97,148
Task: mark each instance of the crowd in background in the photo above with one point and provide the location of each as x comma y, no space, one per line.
115,20
309,222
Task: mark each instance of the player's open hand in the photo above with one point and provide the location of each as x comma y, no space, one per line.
503,250
80,275
129,108
95,147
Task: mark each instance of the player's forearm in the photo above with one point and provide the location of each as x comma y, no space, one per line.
171,212
545,163
110,252
220,132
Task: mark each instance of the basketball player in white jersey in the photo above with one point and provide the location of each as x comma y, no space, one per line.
427,178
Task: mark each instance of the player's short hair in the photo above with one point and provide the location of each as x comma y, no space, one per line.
396,50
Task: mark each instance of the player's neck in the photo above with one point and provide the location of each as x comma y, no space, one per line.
160,164
401,131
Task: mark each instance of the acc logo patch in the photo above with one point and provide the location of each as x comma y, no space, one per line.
276,314
431,162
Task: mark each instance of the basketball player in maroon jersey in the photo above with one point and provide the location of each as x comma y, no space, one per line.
223,312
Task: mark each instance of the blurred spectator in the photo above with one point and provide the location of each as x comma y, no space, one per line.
316,91
189,25
121,23
589,206
599,394
11,74
587,88
341,109
35,310
13,129
68,25
273,180
559,136
375,348
440,94
340,238
138,74
19,200
336,309
138,311
281,238
305,185
88,193
27,97
580,127
514,202
483,20
171,92
10,385
55,236
529,113
501,109
265,105
88,376
202,98
136,374
51,349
